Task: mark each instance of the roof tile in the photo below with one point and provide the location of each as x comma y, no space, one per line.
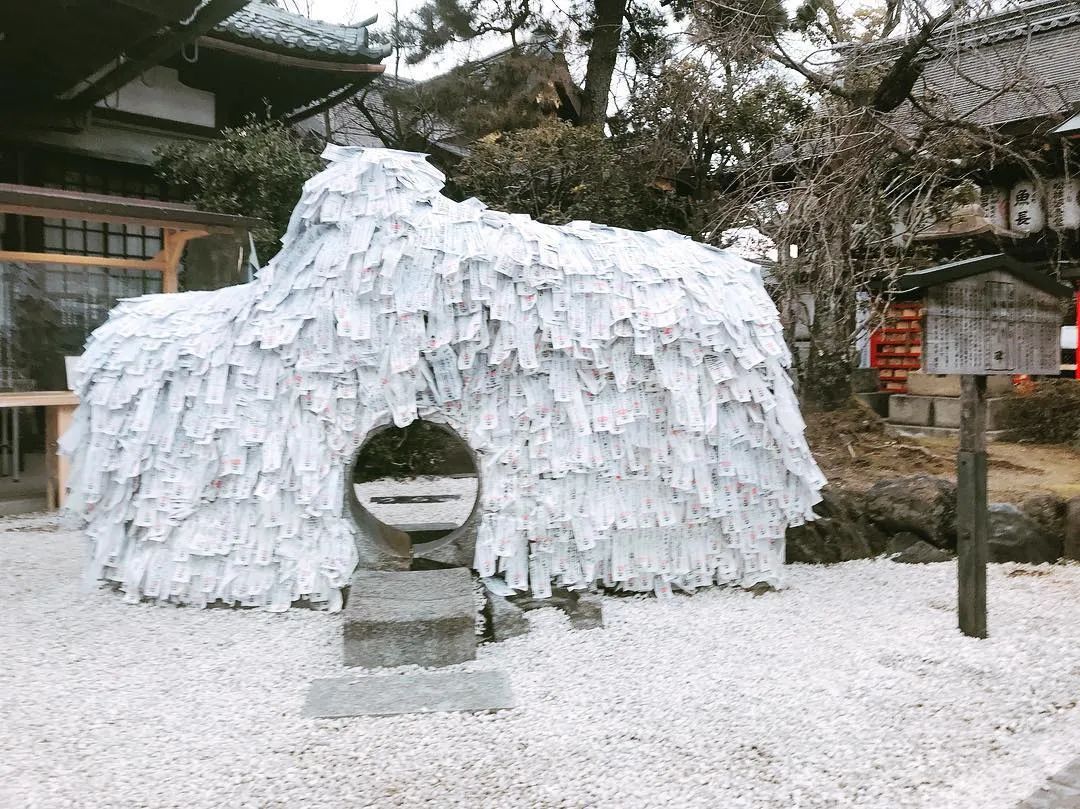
268,26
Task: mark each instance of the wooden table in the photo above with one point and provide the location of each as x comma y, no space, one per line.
59,408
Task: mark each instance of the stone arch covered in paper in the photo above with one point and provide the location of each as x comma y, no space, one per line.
385,546
625,394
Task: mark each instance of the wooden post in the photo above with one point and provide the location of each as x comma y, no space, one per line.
58,418
171,257
53,494
171,253
972,512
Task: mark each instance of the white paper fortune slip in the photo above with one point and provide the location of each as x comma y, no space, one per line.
625,392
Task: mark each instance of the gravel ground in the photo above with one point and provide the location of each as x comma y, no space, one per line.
851,688
451,511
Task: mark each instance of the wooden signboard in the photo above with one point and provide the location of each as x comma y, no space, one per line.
984,316
991,323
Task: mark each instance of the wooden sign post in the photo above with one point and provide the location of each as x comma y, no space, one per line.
989,315
972,513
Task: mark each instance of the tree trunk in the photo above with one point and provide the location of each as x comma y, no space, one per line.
826,381
603,54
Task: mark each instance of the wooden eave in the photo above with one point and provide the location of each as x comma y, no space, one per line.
179,224
57,203
351,69
965,268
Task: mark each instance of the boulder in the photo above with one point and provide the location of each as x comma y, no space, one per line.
840,532
1016,537
1072,529
587,613
1048,510
826,540
584,610
921,504
851,507
921,553
874,536
505,620
902,541
806,543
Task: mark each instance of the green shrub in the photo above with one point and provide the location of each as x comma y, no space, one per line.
1047,414
419,449
256,169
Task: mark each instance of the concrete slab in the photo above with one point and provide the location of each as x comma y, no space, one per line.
910,409
390,694
918,431
415,617
1061,791
947,411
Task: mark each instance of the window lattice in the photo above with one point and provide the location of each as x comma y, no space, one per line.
84,295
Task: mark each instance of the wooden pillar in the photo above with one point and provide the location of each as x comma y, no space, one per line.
972,511
57,420
173,249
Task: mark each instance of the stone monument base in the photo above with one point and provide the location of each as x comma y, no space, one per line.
416,617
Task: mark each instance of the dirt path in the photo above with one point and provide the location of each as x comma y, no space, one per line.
855,451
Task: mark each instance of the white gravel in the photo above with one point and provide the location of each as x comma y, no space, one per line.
449,511
849,689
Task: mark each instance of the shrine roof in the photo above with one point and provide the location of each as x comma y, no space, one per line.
1034,274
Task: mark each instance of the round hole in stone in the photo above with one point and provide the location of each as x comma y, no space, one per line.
421,480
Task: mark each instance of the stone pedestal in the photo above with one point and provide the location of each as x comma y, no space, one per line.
940,411
920,384
417,617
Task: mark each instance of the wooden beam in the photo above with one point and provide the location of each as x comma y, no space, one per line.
59,212
61,204
161,47
83,261
149,221
38,398
972,510
289,61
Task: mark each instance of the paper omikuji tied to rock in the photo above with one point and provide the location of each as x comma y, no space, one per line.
625,393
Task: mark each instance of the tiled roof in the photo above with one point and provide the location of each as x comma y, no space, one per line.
1022,21
269,27
1037,71
1018,22
1016,65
